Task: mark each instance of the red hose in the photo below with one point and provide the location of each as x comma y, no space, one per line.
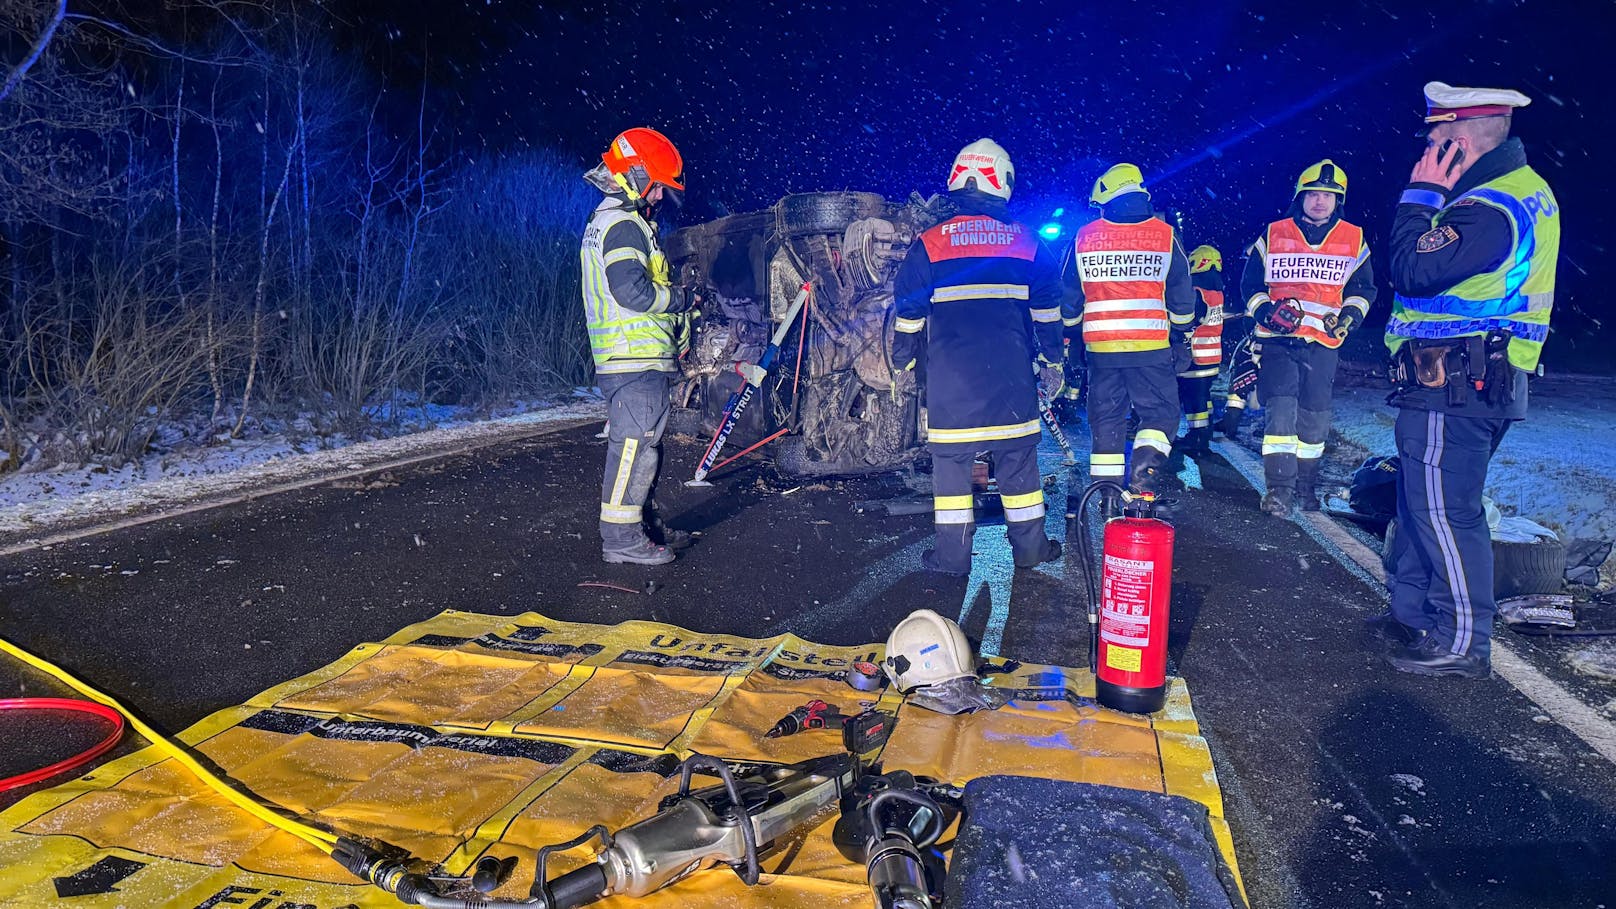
77,760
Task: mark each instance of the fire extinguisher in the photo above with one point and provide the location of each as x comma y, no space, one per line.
1128,604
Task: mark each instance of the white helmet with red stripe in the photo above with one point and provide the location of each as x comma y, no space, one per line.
983,165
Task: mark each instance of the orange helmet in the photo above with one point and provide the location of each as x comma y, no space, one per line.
640,157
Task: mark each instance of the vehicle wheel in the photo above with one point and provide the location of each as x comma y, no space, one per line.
825,213
1528,568
791,456
684,421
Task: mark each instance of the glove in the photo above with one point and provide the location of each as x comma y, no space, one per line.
1051,379
1345,322
1242,371
1183,357
1281,317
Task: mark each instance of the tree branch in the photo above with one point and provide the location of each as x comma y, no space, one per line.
33,56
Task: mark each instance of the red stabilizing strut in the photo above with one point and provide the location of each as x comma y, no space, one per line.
77,760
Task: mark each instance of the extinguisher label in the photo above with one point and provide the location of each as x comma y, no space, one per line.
1125,659
1125,595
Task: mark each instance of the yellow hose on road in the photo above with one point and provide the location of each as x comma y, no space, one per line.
319,839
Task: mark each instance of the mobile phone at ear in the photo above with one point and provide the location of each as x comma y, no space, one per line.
1452,154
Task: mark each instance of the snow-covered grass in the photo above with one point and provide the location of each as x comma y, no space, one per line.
1558,467
175,473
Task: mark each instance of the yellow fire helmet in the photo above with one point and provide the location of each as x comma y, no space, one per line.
1205,258
1119,180
1324,176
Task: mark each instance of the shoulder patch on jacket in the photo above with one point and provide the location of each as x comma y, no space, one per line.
1436,238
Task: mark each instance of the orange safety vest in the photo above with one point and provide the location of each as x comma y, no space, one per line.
1315,276
1124,272
1206,343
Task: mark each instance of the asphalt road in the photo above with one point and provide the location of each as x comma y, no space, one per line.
1348,785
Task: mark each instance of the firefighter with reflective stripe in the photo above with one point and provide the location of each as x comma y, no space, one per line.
1473,250
1244,362
1206,349
1131,293
979,296
1307,284
633,312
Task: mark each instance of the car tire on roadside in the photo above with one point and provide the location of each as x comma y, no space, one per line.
1528,568
1519,569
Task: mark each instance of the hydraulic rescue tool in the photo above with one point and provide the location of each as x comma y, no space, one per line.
752,376
890,823
1128,602
1047,412
732,823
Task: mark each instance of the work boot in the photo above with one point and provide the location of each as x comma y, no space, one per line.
1307,476
1278,502
1147,478
1110,505
1394,632
663,535
1196,441
1432,657
641,552
929,561
1051,552
1229,423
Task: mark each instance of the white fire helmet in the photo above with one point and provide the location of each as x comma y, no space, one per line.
927,649
986,165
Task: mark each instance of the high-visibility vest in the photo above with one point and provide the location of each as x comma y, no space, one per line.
1206,342
620,339
1123,268
1516,296
1315,276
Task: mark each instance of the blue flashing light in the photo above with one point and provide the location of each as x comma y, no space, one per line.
1050,231
1059,212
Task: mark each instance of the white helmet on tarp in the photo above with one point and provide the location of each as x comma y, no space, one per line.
983,165
927,649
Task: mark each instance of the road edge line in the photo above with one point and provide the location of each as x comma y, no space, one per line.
1570,711
248,494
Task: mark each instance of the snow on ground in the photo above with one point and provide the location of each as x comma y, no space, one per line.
35,503
1558,467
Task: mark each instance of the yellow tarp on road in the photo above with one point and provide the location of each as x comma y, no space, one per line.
470,734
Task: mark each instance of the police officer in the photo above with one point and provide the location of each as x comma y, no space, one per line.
1206,349
1473,251
980,296
632,310
1131,293
1307,284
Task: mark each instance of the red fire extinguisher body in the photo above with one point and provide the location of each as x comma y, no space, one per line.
1135,587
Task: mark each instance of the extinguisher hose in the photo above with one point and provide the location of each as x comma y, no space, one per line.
1091,577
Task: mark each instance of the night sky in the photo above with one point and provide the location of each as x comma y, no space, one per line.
1222,104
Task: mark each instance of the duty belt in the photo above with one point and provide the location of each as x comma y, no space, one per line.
1476,363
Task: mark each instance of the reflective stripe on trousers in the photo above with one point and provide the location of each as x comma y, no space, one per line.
1442,577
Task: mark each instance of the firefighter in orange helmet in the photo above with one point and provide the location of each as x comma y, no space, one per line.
634,313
